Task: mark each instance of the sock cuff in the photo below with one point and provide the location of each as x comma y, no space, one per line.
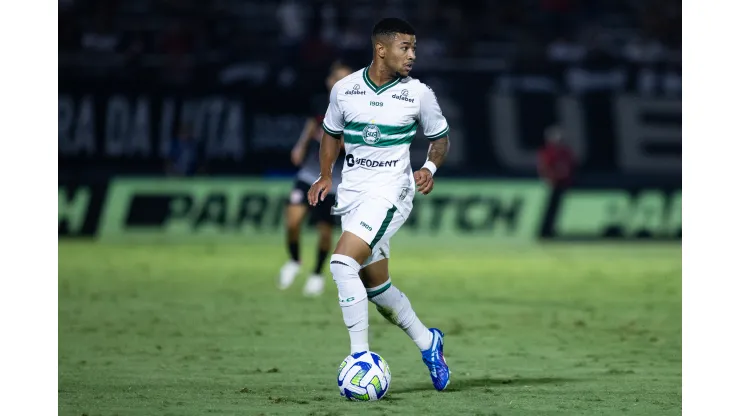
377,290
345,260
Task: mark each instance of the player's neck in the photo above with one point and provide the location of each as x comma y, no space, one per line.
379,74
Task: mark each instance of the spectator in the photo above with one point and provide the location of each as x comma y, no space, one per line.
556,161
185,154
556,164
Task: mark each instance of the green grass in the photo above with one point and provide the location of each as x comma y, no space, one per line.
200,329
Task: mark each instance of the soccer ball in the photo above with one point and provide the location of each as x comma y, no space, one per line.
364,376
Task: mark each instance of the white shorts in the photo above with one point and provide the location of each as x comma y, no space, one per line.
375,221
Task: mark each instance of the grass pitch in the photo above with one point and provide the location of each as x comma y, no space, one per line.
201,329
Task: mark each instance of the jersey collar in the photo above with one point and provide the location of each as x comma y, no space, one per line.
378,89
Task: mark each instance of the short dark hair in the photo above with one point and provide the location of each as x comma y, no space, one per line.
390,26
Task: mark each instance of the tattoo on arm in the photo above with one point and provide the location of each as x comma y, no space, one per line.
438,151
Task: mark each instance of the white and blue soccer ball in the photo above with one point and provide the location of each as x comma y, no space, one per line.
364,376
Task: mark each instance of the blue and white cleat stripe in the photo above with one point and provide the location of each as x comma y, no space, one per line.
435,360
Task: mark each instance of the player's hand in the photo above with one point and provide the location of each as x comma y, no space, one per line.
424,181
319,190
297,155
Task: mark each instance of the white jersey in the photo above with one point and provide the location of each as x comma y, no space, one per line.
379,123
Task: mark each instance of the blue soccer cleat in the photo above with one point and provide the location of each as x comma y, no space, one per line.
435,360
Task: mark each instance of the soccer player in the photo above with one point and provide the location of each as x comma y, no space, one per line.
378,110
305,154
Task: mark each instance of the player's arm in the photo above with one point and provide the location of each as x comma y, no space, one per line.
330,147
435,158
331,143
299,150
437,132
308,129
438,150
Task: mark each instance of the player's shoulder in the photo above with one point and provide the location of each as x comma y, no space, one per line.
416,85
348,82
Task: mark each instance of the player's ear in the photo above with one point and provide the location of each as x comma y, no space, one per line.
380,48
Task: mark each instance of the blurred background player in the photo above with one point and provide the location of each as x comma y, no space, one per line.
556,164
185,157
556,160
305,154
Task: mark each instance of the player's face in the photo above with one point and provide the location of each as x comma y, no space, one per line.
402,54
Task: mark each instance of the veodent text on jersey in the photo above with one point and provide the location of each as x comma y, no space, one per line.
351,161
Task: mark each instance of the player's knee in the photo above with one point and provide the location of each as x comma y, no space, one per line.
293,224
346,273
344,268
325,231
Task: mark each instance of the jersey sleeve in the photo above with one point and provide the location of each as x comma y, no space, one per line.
333,123
432,120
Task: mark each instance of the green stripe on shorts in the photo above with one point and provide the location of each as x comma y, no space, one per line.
383,227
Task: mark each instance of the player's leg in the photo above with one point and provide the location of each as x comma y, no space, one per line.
295,213
362,228
349,254
396,308
392,303
294,216
325,226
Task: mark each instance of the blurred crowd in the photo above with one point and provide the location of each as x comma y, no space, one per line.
178,40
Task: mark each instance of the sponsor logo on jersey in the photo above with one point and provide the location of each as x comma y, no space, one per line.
354,91
351,161
404,96
371,134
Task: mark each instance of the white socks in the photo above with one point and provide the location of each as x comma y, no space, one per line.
390,302
396,308
352,299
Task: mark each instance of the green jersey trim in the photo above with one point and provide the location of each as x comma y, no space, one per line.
378,89
439,135
331,132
